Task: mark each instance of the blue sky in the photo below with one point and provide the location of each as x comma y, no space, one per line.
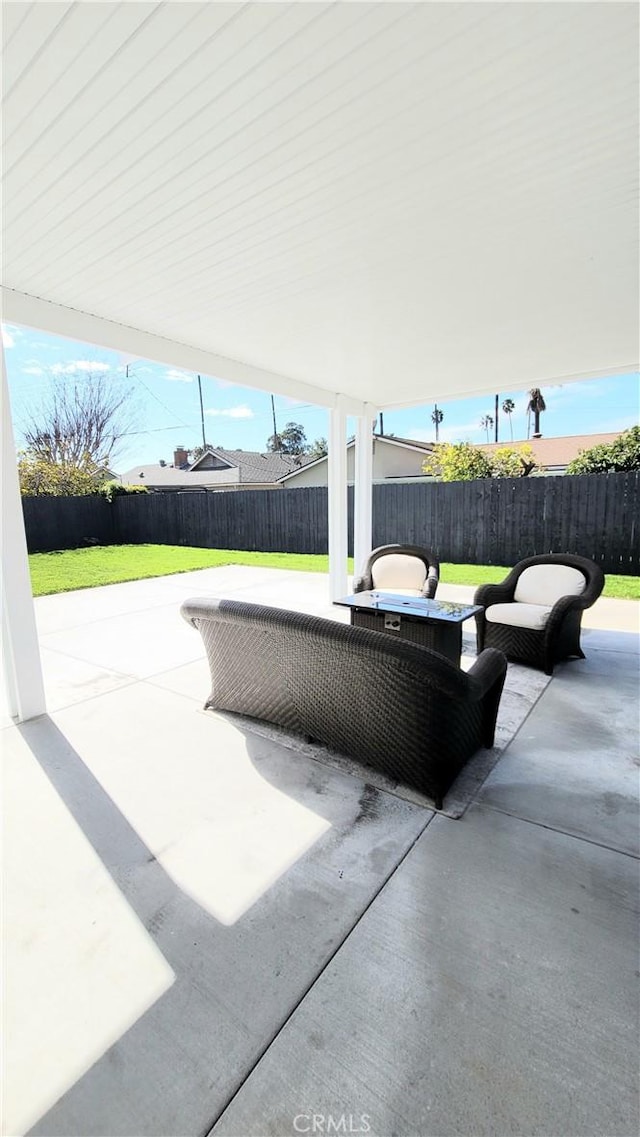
166,407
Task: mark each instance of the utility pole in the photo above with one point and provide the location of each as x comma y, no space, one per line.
381,424
276,440
204,441
496,417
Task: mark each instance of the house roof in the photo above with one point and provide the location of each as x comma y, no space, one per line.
409,443
393,440
254,466
248,467
557,452
384,202
156,475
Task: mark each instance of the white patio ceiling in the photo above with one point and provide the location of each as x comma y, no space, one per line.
392,201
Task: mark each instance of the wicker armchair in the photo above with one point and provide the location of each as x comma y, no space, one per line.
534,615
406,569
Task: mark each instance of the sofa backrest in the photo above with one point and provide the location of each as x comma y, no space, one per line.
348,648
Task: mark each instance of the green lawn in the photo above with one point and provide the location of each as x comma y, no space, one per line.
111,564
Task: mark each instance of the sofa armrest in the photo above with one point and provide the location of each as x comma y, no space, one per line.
488,669
361,583
487,676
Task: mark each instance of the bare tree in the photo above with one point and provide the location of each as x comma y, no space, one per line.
80,423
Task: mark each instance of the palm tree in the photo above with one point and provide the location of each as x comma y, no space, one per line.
536,405
436,418
486,422
509,407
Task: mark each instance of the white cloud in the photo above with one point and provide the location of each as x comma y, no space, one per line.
570,392
178,377
421,435
7,339
77,365
464,432
32,371
288,401
242,411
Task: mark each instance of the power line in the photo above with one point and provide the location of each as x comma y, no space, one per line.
153,396
157,429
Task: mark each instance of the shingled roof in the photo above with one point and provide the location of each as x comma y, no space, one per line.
237,468
253,466
556,453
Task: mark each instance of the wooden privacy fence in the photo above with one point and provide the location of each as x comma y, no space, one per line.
490,521
499,521
68,522
269,521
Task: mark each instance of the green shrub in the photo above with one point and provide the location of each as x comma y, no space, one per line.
117,489
609,457
462,462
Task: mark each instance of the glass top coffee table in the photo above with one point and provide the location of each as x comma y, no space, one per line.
431,623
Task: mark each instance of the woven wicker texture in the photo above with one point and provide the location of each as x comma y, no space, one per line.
560,638
446,640
396,707
364,583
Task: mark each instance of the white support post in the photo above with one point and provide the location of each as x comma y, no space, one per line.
20,648
337,476
363,489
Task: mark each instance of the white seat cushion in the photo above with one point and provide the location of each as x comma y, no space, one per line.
396,571
532,616
544,584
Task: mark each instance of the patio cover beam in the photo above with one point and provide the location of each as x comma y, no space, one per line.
44,315
20,649
20,642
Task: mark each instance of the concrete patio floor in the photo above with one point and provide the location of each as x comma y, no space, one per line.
207,932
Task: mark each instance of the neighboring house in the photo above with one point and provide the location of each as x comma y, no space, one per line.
216,469
554,454
105,474
393,459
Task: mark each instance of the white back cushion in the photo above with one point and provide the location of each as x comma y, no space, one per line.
544,584
398,570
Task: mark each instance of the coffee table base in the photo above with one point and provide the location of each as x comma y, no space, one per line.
439,636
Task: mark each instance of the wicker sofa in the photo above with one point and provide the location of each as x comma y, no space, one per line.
398,708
